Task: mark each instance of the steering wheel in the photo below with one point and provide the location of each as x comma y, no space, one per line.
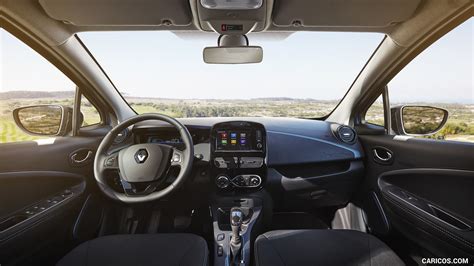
143,168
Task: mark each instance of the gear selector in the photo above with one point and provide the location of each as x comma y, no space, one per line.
236,218
233,223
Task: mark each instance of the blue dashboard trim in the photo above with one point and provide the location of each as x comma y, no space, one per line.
356,153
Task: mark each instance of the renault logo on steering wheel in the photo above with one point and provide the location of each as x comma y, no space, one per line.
141,155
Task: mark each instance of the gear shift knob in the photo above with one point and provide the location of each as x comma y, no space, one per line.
236,218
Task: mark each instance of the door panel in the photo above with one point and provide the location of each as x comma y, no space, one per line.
41,192
425,190
31,156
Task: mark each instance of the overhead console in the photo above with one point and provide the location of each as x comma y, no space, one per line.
232,17
238,151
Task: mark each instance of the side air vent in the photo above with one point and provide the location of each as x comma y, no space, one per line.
121,137
346,134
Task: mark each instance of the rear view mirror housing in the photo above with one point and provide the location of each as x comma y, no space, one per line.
415,120
233,49
44,120
233,55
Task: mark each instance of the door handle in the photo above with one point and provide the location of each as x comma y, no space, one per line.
382,155
78,158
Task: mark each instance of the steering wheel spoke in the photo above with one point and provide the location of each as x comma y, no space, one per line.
132,189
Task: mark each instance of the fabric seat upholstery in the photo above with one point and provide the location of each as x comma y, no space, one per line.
147,249
322,247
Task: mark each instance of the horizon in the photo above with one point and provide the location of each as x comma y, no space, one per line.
225,99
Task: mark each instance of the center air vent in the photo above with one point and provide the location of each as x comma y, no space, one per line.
346,134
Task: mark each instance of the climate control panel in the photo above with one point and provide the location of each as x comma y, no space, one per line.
239,181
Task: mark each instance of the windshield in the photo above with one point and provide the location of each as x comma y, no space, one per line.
304,74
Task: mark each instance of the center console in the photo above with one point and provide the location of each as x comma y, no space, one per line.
238,168
238,151
236,222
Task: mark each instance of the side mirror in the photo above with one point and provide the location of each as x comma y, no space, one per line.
44,120
418,120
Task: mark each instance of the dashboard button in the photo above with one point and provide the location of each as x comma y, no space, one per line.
240,181
219,162
247,181
220,237
251,162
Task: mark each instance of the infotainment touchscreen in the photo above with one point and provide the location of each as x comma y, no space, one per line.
239,140
234,140
238,136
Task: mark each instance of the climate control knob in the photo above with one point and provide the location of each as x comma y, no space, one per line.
255,181
222,181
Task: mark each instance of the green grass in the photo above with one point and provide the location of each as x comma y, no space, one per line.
9,132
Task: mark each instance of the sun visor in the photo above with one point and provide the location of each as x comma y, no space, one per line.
342,13
119,12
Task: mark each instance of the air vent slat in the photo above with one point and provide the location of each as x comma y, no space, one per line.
121,136
346,134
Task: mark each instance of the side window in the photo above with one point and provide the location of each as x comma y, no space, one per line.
442,76
28,79
90,113
374,114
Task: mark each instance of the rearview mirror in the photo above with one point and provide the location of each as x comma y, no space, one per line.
418,120
233,55
44,120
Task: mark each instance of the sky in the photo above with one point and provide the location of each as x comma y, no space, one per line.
318,65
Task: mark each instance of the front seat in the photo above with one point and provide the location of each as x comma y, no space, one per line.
143,250
322,247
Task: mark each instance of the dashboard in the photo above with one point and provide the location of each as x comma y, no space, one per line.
297,159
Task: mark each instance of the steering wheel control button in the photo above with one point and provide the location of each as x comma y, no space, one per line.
222,181
111,161
141,155
176,158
